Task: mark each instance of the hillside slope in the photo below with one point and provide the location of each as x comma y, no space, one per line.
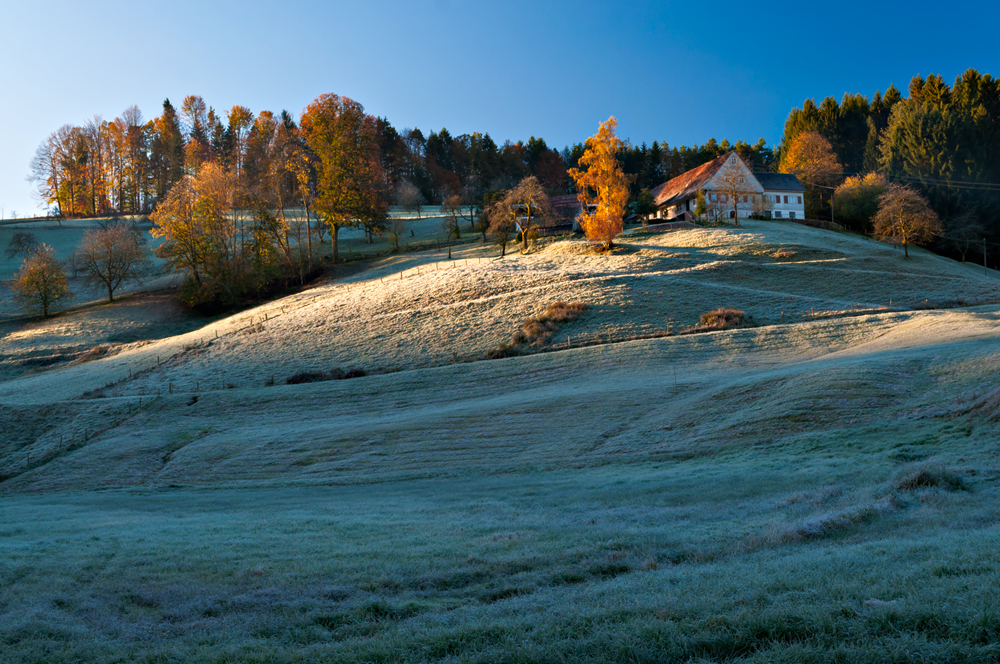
820,488
419,310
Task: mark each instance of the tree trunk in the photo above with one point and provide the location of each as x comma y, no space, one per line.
309,238
334,230
111,294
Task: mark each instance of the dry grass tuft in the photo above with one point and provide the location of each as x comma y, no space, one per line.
832,523
928,475
537,330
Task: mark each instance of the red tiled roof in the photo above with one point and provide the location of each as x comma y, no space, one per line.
687,184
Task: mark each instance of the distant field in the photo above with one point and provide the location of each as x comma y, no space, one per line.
822,487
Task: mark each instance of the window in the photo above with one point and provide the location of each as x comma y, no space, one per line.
791,215
711,197
800,200
777,199
777,214
786,200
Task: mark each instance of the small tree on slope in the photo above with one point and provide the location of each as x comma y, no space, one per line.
41,282
905,217
602,184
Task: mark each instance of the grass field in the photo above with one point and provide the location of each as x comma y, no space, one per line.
820,487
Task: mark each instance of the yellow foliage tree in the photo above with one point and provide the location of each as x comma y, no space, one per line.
41,282
810,158
602,183
184,240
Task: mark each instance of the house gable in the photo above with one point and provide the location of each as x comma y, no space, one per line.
743,173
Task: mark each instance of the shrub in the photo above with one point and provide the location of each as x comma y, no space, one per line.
317,376
305,377
720,319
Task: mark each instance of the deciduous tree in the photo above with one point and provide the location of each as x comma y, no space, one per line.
811,158
185,243
904,217
736,185
602,183
528,203
452,211
351,187
408,197
41,282
22,245
856,200
113,255
502,224
964,232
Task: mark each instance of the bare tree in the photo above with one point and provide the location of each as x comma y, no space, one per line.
452,211
395,229
408,197
501,223
904,217
22,245
964,232
761,206
112,255
528,203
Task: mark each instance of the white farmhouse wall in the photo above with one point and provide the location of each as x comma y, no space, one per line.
782,210
744,206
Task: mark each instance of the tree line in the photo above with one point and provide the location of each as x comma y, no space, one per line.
940,140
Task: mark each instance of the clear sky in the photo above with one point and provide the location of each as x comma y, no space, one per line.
680,72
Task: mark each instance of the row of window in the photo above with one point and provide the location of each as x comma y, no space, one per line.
777,213
775,198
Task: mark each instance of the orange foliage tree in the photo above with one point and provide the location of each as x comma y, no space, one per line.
810,157
904,217
603,184
351,187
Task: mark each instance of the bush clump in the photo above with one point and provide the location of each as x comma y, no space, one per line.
724,318
318,376
305,377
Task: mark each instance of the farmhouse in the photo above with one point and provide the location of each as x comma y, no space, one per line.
783,194
724,179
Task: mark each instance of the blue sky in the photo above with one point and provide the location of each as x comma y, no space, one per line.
680,72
